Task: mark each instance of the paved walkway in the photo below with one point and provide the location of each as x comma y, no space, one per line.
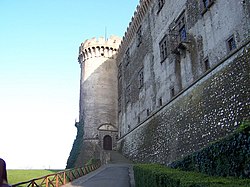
110,175
118,173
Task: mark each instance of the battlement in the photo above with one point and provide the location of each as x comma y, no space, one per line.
98,47
134,24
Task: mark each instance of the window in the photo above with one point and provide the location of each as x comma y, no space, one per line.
160,4
205,5
206,64
231,45
163,48
139,119
141,78
160,102
172,92
182,27
183,34
148,112
139,37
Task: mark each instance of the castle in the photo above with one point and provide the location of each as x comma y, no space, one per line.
178,80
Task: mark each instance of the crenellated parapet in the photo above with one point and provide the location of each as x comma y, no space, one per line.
100,47
134,24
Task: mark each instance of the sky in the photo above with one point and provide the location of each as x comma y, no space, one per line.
40,74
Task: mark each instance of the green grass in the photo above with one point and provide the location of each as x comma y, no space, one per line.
16,176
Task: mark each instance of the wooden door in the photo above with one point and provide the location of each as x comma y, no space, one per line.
107,142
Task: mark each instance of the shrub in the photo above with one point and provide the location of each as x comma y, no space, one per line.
76,148
152,175
227,157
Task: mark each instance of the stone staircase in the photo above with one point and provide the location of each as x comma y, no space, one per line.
117,158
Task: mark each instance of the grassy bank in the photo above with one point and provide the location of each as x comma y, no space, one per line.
16,176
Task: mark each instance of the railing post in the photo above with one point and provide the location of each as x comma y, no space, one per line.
57,184
47,182
64,177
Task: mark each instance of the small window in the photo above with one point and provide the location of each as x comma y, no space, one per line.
231,45
160,102
139,37
141,79
160,4
183,34
205,5
172,92
206,64
181,26
148,112
163,48
139,119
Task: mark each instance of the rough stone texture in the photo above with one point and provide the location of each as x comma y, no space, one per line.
210,109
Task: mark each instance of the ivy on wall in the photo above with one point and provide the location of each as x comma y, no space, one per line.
76,148
227,157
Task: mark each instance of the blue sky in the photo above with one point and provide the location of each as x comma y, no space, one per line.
39,73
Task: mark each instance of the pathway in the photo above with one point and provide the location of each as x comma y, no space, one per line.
118,173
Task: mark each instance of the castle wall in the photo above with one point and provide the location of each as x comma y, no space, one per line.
174,103
212,108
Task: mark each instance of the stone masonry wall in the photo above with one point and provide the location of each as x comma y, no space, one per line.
210,109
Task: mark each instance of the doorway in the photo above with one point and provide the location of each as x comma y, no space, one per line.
107,142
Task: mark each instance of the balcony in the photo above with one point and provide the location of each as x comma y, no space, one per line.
178,40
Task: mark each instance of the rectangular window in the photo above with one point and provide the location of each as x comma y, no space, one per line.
139,119
160,4
172,92
206,64
182,27
141,78
205,5
183,34
231,45
139,37
163,48
160,102
148,112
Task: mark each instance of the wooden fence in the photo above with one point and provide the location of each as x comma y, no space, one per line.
60,178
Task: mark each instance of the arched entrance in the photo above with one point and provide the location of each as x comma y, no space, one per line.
107,142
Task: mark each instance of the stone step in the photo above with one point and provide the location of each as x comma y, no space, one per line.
116,157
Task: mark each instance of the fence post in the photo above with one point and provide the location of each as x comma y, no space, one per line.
64,177
47,182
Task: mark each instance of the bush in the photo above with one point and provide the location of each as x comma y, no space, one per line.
227,157
153,175
76,148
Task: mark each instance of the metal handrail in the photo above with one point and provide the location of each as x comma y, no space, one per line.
59,178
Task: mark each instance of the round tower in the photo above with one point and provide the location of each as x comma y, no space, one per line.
98,96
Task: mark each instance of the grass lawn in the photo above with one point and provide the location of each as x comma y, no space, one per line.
16,176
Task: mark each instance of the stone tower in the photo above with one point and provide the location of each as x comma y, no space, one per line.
98,96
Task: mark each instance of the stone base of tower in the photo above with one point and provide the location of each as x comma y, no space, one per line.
90,150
